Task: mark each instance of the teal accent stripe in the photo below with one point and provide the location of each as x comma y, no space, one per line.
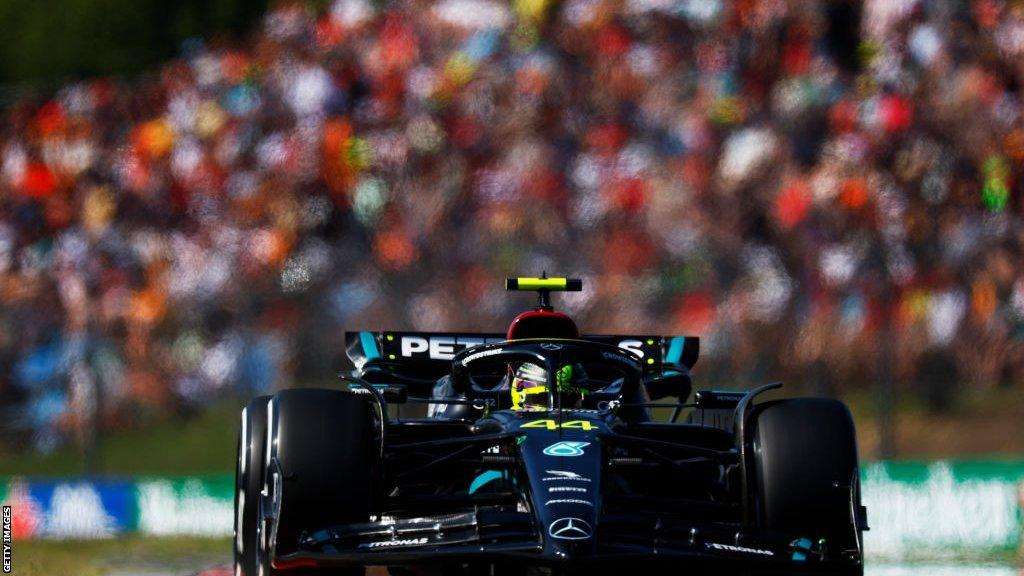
675,349
483,479
800,549
369,345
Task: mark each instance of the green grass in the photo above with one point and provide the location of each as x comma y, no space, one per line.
203,443
130,554
967,400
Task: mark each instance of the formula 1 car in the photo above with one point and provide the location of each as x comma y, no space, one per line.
538,453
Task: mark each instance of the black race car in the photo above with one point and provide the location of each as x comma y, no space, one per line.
539,453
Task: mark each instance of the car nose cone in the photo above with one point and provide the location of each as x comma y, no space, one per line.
570,529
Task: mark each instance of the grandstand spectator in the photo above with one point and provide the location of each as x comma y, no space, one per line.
784,179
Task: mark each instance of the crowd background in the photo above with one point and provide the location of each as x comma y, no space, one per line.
827,193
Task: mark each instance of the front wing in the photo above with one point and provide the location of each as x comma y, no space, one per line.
513,537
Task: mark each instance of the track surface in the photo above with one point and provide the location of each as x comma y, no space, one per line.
877,570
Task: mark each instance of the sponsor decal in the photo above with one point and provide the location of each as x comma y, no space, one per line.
566,449
567,489
563,475
189,506
956,507
395,543
472,357
634,346
569,501
7,539
570,529
551,346
618,357
553,425
744,549
77,511
439,347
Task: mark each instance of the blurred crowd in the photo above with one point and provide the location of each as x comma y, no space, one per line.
827,193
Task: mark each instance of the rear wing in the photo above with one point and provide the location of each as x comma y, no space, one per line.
419,357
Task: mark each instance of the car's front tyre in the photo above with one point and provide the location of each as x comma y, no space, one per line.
324,448
806,471
249,468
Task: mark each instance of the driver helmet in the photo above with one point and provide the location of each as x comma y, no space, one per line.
530,387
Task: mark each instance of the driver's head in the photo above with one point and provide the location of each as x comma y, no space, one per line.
568,381
530,387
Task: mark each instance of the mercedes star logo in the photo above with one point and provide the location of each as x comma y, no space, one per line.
570,529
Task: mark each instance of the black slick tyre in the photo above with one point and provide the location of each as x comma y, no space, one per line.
325,448
805,467
249,468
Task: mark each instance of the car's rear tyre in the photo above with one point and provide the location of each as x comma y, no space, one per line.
252,440
805,463
325,447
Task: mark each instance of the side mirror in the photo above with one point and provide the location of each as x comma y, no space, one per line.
722,399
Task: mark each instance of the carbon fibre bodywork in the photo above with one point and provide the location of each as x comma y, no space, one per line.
573,487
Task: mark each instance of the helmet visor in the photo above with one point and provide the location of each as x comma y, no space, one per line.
530,388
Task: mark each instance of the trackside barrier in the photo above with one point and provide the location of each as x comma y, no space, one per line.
943,510
917,510
102,508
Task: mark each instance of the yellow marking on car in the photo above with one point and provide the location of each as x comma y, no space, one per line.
540,283
553,425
